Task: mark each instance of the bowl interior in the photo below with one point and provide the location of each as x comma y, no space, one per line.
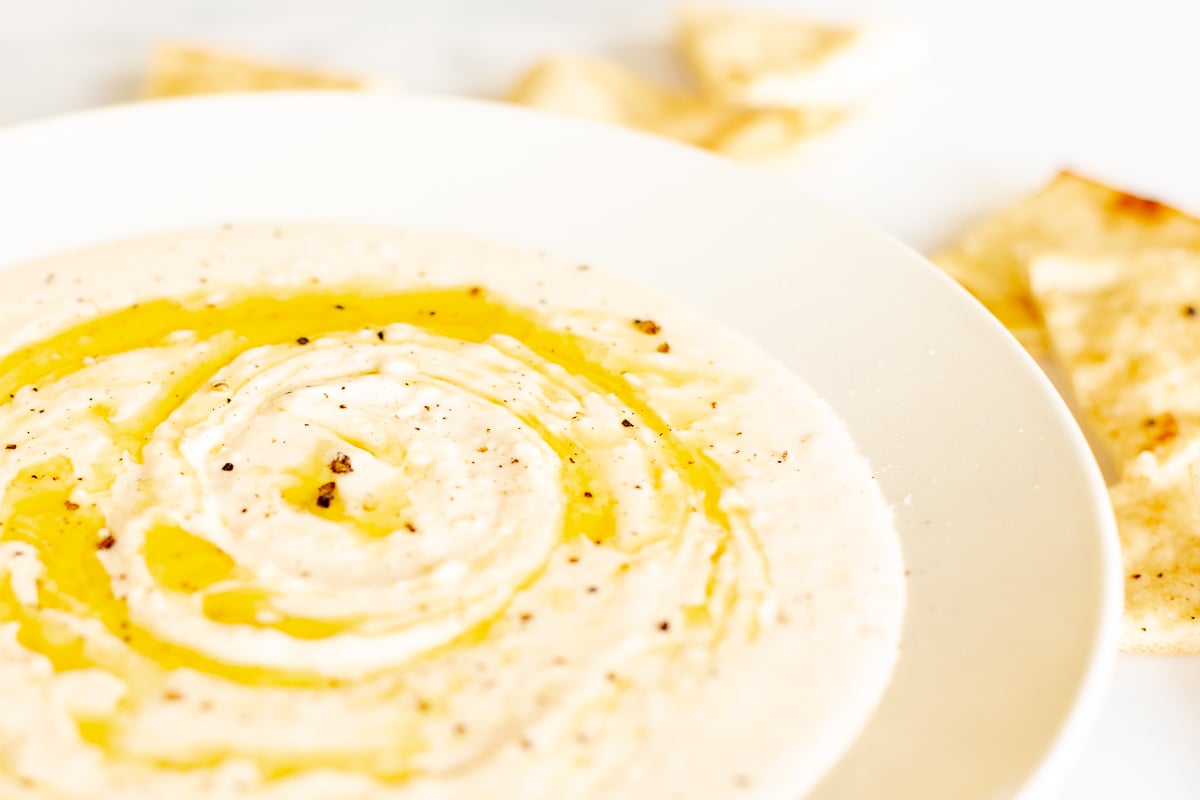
1014,588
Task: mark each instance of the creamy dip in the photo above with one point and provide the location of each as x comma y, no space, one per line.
315,512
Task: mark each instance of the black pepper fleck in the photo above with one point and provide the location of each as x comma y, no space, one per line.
647,326
227,467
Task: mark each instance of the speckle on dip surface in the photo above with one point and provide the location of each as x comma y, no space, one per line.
313,512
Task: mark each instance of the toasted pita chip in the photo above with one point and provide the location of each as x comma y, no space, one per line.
1070,215
1159,525
599,90
765,58
179,69
1127,330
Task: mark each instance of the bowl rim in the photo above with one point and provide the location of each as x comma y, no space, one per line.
1092,689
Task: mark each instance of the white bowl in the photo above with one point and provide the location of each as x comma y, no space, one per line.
1014,586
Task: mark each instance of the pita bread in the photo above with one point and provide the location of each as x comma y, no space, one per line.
1127,330
765,58
599,90
1070,215
179,69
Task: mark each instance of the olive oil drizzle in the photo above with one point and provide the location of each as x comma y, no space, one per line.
37,511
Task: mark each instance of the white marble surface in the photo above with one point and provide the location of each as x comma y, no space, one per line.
1014,90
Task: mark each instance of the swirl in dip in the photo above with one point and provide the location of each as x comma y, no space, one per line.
322,512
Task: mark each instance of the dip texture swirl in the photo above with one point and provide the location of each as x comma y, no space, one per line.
313,512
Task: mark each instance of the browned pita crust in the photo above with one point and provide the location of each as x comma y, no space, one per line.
1071,215
1126,328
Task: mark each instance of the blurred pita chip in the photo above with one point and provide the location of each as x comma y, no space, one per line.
599,90
1071,215
770,58
180,69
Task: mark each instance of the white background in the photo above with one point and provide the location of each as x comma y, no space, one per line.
1013,91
